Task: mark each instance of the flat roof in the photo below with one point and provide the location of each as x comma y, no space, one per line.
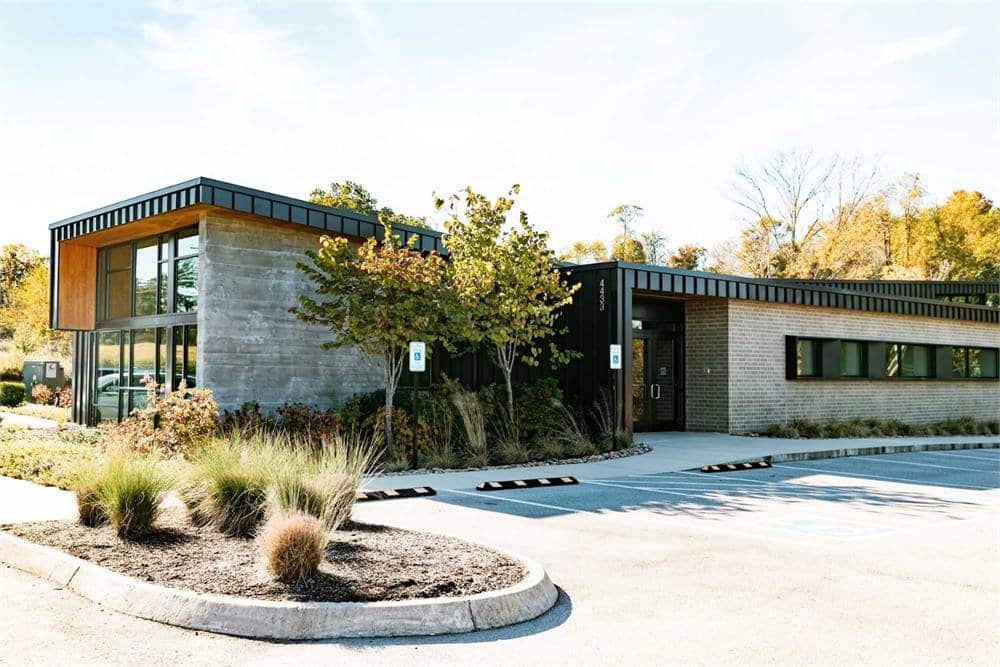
213,192
898,297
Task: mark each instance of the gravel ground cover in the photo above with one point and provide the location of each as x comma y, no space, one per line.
364,562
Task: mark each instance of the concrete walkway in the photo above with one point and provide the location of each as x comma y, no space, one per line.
26,421
22,501
672,451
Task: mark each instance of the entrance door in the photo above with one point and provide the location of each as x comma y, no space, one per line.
657,386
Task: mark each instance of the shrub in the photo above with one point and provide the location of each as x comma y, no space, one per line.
42,394
11,394
130,491
293,545
47,457
868,427
169,424
64,398
11,374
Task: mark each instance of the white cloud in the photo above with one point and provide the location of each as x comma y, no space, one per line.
905,49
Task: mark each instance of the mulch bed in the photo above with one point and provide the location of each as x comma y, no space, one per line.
364,562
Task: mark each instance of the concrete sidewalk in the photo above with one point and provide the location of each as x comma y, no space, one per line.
672,451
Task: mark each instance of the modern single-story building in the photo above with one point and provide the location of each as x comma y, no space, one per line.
194,282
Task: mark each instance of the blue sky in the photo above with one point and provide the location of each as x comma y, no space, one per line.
585,105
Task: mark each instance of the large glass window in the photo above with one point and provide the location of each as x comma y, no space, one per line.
108,375
125,359
807,357
146,276
153,276
852,359
907,361
974,362
185,356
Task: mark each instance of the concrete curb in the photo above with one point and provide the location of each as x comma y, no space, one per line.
264,619
866,451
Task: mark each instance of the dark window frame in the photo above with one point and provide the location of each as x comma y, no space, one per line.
863,371
169,242
966,351
930,356
817,357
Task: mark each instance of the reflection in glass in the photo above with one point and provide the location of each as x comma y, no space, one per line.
119,294
988,363
851,359
187,243
108,375
143,356
161,293
913,361
120,257
145,277
191,365
805,358
186,281
161,354
958,369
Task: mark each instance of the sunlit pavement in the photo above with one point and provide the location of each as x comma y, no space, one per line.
876,560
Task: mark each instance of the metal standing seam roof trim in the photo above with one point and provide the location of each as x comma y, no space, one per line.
212,192
700,283
208,191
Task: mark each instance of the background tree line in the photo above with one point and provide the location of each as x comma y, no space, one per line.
827,218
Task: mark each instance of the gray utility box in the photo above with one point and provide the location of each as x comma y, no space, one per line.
49,373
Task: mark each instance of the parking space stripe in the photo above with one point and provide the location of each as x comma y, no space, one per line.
926,465
863,475
517,502
640,488
949,455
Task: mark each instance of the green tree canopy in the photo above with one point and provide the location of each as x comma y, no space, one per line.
689,256
379,299
505,277
356,197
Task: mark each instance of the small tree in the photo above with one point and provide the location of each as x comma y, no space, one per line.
378,299
506,279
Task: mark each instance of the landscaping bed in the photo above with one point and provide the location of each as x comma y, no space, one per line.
363,562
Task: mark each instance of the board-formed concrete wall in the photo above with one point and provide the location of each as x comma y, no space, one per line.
760,395
249,346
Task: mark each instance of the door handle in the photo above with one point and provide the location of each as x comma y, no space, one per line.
654,391
651,388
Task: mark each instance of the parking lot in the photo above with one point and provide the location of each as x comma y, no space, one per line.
870,560
839,499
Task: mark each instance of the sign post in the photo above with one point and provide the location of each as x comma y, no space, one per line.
418,364
615,363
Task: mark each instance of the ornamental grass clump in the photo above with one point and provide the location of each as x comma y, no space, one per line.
293,545
228,486
325,485
130,492
87,489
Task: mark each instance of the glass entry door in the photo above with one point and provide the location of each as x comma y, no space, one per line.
657,381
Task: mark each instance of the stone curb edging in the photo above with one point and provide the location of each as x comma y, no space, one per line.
268,619
866,451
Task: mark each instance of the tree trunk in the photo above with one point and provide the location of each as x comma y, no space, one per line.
393,366
505,358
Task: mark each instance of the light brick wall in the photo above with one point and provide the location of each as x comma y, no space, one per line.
760,395
249,346
706,350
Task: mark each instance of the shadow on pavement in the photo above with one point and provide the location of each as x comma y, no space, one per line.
722,496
